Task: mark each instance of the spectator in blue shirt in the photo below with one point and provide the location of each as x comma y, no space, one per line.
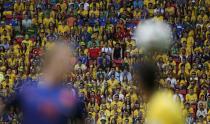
126,74
80,21
5,44
83,58
113,20
52,36
102,21
86,35
114,72
138,3
103,59
53,2
179,27
14,21
129,24
92,20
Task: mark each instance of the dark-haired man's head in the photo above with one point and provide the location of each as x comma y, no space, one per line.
146,74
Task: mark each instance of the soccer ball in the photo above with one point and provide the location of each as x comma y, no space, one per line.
153,35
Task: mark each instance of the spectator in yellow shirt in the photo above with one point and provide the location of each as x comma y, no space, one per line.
27,42
3,27
47,20
116,102
191,97
18,6
126,118
116,118
112,82
5,35
63,28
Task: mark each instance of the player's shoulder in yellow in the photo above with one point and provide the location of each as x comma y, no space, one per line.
163,109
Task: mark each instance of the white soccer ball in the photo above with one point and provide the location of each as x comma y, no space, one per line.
153,35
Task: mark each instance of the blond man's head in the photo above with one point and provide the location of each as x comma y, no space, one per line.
58,62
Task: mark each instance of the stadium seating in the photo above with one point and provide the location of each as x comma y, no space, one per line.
99,26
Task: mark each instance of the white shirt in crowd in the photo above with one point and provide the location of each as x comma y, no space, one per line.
27,23
172,81
86,6
175,97
83,67
107,50
201,113
125,74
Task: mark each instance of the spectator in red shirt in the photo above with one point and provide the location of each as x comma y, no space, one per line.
94,51
71,20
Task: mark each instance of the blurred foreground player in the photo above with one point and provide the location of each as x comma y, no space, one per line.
155,37
48,101
162,108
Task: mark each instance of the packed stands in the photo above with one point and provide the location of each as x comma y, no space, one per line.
101,32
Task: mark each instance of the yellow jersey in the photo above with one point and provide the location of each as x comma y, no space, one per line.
163,109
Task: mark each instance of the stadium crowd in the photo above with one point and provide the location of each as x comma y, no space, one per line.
101,32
